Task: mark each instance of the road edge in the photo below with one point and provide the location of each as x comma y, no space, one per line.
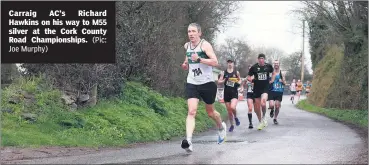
361,131
14,154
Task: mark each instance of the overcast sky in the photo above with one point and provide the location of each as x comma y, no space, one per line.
269,24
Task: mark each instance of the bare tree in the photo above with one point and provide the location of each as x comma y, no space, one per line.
271,53
149,45
237,50
291,64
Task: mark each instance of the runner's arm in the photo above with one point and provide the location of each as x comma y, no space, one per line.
284,80
186,59
273,78
208,49
243,82
221,79
251,72
239,76
273,74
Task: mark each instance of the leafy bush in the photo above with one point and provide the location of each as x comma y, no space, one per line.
141,115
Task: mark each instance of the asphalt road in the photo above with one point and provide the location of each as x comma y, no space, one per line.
300,137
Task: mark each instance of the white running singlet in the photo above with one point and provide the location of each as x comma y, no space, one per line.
198,73
293,87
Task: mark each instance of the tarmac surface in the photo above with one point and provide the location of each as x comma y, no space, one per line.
300,137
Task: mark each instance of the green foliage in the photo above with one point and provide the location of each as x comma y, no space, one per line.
357,117
45,98
326,73
141,115
318,38
342,82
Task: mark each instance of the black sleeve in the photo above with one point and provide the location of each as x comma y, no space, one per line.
251,71
271,68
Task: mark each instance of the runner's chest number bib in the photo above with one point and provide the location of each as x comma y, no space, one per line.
230,83
262,76
196,72
277,85
249,88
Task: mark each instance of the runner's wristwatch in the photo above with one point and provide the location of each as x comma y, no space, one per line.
199,59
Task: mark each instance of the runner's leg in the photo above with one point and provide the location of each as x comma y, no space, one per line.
277,107
208,94
230,112
292,95
249,115
230,116
271,104
227,100
299,94
213,114
264,98
192,102
190,121
257,106
234,111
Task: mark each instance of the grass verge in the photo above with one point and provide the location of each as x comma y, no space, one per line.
355,117
139,115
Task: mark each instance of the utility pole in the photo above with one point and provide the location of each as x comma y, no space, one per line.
303,51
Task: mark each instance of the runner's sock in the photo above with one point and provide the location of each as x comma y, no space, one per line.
189,139
250,117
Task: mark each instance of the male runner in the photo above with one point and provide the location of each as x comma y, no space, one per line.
276,94
293,90
250,98
299,88
231,79
262,72
307,88
200,59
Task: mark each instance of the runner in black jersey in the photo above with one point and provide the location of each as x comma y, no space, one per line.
263,77
231,79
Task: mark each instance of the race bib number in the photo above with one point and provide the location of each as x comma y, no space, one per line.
249,88
277,86
196,72
230,83
262,76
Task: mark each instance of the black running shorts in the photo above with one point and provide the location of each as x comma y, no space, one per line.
230,94
275,96
293,92
207,92
259,90
250,96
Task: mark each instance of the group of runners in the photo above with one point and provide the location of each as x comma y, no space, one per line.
297,88
263,83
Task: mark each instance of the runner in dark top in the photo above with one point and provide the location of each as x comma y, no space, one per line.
232,80
263,77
